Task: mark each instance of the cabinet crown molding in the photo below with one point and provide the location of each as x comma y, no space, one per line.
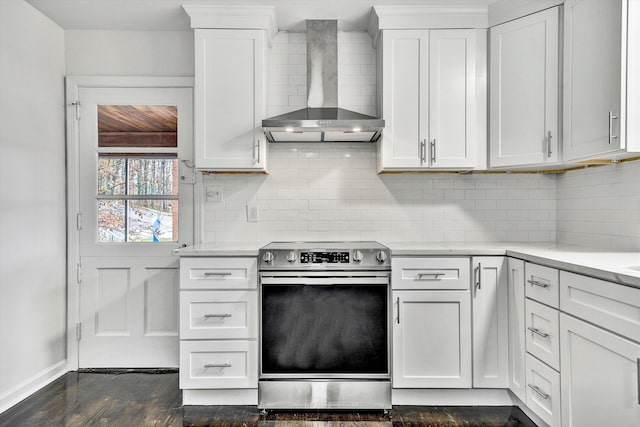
234,17
426,17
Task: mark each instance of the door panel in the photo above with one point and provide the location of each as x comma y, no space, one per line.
136,207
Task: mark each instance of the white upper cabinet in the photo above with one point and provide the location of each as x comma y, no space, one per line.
229,99
524,101
432,99
600,77
230,79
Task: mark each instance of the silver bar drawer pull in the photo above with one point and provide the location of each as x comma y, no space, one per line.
536,283
209,316
539,392
612,117
433,276
217,273
217,365
538,332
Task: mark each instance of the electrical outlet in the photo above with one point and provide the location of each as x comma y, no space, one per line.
252,211
213,193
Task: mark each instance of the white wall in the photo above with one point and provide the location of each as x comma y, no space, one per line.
32,201
600,207
129,53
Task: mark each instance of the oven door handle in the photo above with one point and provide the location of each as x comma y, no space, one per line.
324,281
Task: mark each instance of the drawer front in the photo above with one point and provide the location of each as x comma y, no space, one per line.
430,273
218,364
218,273
610,305
542,334
543,391
218,314
542,284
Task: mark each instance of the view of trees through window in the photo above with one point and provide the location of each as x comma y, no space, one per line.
137,199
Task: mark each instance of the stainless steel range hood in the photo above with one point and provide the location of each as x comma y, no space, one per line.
322,120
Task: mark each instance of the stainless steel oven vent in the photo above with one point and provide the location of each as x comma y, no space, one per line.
322,120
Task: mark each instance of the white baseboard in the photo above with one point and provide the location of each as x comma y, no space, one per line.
25,389
451,397
220,397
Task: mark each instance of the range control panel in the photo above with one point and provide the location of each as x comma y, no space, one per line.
277,256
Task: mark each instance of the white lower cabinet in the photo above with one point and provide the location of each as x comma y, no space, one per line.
515,281
218,364
543,390
600,359
600,382
432,339
218,325
490,323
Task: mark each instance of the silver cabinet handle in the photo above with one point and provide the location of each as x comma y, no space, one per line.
477,274
539,392
398,302
209,316
612,117
216,273
433,151
258,150
538,332
435,276
423,152
549,144
536,283
217,365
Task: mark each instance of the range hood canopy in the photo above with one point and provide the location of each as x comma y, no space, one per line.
322,120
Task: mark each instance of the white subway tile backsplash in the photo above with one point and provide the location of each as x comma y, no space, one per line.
332,192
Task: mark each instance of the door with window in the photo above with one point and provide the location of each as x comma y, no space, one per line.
135,206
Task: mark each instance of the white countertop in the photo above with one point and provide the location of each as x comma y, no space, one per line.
620,267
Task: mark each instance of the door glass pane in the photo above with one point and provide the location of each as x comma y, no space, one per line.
153,176
111,221
152,221
137,126
111,176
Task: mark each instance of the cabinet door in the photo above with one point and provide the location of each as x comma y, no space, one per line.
229,99
452,99
405,93
515,280
599,376
432,339
593,58
490,323
524,91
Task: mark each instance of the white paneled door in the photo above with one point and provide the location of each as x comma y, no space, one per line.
135,205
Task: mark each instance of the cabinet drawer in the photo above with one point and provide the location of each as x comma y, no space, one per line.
543,391
542,284
612,306
430,273
218,364
218,314
218,273
542,335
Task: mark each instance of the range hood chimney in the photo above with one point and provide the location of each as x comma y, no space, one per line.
322,120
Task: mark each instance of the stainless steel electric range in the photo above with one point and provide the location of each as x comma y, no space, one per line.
324,326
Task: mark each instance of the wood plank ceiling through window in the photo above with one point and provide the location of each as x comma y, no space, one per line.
137,126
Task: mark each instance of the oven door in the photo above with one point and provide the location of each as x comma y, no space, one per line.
324,325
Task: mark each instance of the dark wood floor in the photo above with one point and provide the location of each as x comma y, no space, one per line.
153,399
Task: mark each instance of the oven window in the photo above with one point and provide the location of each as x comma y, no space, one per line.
337,329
